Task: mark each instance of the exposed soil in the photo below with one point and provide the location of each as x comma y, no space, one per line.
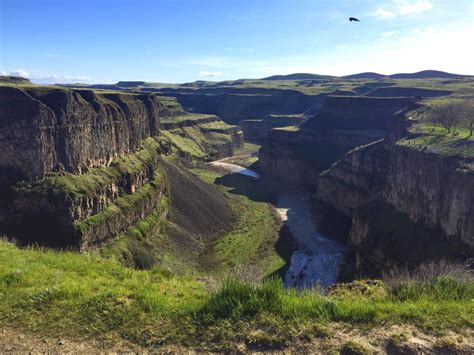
199,211
334,338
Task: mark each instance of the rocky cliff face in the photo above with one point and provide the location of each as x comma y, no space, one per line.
394,203
433,189
399,205
234,105
74,129
79,167
300,155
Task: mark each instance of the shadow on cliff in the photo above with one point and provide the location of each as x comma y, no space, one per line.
255,189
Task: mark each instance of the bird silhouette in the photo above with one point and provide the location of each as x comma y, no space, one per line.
353,19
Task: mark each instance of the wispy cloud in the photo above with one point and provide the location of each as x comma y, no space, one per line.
45,77
52,55
16,72
402,8
419,6
383,14
216,74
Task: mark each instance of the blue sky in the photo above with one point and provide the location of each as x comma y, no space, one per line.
185,40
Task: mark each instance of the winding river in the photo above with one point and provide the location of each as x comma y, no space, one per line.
317,258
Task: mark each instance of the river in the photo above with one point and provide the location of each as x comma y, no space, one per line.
317,258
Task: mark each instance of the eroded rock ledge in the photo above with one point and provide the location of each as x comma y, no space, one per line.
394,203
80,167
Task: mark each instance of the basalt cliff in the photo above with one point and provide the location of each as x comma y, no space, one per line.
79,168
393,199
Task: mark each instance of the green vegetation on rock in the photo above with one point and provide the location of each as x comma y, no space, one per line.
436,139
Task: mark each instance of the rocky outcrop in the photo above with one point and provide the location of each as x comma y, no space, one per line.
300,154
355,178
42,129
234,105
405,92
257,130
357,113
80,167
433,189
392,202
400,206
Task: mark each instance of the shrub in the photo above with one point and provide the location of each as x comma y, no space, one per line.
440,280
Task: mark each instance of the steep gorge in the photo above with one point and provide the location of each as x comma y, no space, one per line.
80,168
392,202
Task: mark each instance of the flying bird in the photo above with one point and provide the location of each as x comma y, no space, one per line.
353,19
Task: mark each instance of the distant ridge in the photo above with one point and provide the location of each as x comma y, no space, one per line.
299,76
424,74
126,84
366,75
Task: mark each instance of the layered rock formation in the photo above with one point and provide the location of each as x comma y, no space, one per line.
300,154
80,167
405,92
234,105
393,202
400,206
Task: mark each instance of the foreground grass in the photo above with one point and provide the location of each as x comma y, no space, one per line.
73,295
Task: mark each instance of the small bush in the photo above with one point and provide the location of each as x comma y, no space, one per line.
434,280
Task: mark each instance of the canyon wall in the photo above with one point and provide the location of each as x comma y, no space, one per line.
234,105
393,202
400,205
300,154
80,168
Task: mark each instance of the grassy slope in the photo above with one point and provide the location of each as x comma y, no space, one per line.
437,139
72,295
252,239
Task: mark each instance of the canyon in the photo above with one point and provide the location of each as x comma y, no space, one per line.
88,165
280,213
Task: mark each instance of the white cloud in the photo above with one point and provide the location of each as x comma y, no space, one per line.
204,73
383,14
18,72
52,55
247,50
419,6
402,8
41,77
440,48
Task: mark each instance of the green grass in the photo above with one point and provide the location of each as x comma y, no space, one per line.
252,238
184,144
436,139
143,245
74,186
82,295
197,142
123,204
